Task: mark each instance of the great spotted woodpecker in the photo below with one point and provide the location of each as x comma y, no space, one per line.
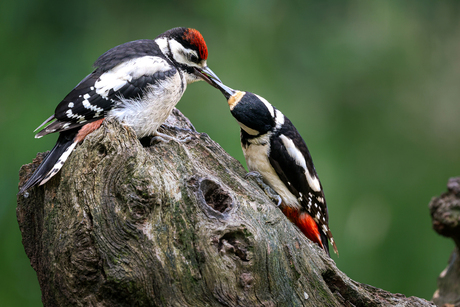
137,83
273,147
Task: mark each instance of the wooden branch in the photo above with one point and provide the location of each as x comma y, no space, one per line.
173,224
445,214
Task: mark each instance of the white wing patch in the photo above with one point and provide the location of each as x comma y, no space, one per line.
90,106
298,157
80,118
117,77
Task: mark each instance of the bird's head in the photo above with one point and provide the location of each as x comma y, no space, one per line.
254,114
187,48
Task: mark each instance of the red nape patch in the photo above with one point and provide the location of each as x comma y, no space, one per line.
196,39
305,223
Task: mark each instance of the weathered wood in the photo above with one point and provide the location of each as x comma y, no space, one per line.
173,224
445,214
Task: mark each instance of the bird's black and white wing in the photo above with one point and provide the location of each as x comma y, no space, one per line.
294,166
101,90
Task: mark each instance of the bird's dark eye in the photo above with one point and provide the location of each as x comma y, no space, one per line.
193,58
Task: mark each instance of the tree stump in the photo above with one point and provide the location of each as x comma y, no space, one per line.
173,224
445,214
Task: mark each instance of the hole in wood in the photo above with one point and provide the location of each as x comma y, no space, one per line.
102,150
215,196
145,141
234,242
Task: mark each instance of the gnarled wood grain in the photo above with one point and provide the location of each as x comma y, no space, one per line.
173,224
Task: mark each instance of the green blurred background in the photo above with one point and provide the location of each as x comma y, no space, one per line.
372,86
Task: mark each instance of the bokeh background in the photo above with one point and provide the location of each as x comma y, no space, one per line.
372,86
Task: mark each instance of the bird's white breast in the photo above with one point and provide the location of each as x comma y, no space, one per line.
256,155
145,114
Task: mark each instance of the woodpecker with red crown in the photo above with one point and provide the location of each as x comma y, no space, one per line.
138,83
273,147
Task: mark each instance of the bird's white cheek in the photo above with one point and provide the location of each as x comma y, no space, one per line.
247,129
179,53
191,78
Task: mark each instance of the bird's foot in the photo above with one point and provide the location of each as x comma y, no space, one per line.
161,137
164,126
257,177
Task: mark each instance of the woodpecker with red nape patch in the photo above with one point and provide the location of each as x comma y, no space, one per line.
273,147
138,83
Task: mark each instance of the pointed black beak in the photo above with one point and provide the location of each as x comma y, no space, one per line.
207,75
228,92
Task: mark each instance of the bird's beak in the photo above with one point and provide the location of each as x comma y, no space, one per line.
207,75
228,92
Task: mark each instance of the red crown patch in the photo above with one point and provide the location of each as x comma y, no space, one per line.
196,39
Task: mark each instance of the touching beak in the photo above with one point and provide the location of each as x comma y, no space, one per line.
228,92
207,75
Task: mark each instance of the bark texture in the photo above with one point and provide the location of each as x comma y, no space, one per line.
173,224
445,214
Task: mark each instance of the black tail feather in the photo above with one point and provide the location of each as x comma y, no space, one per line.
325,243
64,141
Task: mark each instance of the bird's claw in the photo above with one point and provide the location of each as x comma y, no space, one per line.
257,177
164,126
161,137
